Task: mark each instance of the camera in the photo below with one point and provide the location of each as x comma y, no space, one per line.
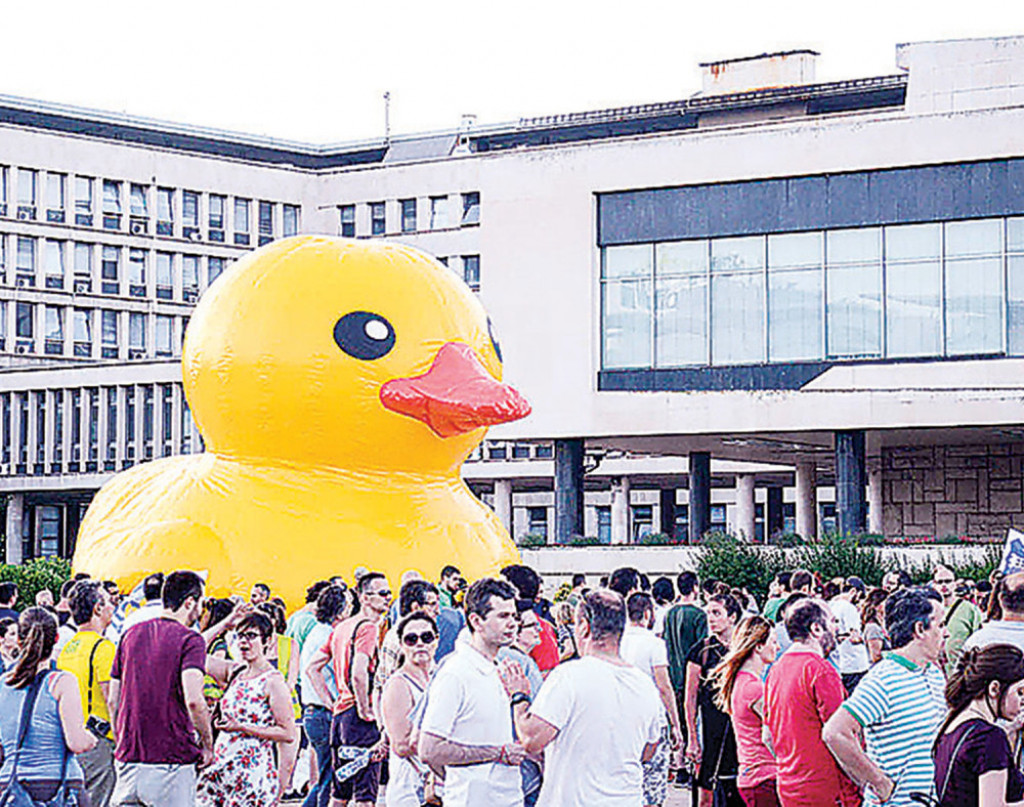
100,728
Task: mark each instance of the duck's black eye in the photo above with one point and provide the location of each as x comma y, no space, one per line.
364,335
494,340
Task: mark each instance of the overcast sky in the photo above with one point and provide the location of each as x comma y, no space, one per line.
316,71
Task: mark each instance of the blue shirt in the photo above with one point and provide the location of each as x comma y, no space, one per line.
42,756
449,622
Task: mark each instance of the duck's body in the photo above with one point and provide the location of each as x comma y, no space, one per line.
338,386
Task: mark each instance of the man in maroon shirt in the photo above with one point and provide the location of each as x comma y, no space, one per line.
157,681
801,693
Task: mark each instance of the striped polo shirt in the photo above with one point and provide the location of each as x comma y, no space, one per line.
900,706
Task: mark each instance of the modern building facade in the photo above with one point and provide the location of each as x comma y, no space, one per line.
780,304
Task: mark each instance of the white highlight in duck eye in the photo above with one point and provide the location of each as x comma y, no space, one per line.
376,329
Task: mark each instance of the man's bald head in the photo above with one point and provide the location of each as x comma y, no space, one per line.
1011,594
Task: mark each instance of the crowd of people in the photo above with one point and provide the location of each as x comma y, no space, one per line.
489,694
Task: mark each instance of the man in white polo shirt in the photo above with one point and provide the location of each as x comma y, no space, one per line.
597,719
467,721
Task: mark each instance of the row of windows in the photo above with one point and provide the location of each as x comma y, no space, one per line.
466,266
411,217
936,289
53,330
499,450
92,429
125,271
177,212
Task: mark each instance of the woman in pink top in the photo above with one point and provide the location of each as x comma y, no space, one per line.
740,684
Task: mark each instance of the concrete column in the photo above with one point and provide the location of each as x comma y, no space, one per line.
875,501
746,511
806,500
850,479
503,502
700,495
15,515
667,509
774,516
568,489
620,510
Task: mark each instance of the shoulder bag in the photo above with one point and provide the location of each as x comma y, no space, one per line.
14,793
926,798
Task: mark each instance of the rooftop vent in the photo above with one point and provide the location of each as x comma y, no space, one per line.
785,69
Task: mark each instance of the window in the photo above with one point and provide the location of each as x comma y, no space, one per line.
242,221
538,521
626,305
83,332
147,420
136,331
853,299
53,268
4,173
214,269
190,210
138,200
348,220
438,212
55,189
974,287
290,220
737,286
545,451
137,272
164,326
471,208
471,271
796,267
190,277
913,290
53,330
164,276
681,303
23,321
108,334
3,258
642,518
217,205
266,222
408,215
521,451
111,205
83,201
377,220
165,211
604,523
27,192
83,267
110,270
25,261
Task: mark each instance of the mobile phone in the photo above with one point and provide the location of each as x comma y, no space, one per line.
100,728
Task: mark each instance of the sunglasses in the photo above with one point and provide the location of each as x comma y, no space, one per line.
530,626
250,636
412,639
382,593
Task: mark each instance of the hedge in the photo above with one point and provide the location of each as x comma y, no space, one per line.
34,576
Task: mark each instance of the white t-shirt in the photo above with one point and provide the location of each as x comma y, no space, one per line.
467,704
315,639
641,648
605,715
850,657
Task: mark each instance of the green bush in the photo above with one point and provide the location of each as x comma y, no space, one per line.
841,556
34,576
584,540
658,539
991,557
531,540
739,564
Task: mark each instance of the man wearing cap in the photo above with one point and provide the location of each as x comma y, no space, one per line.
851,654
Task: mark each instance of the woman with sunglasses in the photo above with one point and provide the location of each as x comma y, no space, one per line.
254,713
400,705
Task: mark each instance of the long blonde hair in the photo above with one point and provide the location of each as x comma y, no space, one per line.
749,635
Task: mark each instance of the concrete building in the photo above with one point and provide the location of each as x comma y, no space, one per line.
777,304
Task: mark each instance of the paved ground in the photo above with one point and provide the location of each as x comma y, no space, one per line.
676,798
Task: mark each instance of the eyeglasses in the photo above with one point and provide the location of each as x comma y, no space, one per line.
382,593
250,636
530,626
412,639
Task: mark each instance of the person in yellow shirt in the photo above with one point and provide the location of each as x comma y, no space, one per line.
89,657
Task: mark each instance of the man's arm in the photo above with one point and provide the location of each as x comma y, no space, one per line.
668,698
361,685
192,686
315,674
842,734
440,753
534,732
692,685
109,690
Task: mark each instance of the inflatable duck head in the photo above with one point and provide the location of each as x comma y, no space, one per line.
360,355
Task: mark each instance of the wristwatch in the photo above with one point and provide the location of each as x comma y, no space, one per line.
520,697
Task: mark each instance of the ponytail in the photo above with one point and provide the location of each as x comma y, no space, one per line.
749,635
37,635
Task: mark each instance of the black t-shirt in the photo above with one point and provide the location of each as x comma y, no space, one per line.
706,654
980,747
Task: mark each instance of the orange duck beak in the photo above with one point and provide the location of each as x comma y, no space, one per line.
456,395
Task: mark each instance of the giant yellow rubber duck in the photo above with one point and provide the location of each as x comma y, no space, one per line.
338,386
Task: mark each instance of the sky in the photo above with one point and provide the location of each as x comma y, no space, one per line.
316,71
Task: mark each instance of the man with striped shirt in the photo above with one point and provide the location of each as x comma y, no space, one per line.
898,706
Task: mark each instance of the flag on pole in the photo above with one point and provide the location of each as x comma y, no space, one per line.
1013,552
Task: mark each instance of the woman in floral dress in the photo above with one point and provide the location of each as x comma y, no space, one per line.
255,713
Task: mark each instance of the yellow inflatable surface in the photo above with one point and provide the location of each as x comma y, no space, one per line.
338,385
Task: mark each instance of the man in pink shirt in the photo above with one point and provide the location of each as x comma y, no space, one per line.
801,693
